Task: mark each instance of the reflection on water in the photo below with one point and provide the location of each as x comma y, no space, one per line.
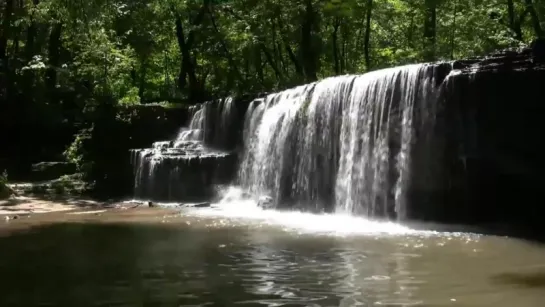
205,259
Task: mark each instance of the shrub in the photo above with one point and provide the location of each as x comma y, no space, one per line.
78,152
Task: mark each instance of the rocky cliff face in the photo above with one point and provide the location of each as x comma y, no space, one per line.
488,144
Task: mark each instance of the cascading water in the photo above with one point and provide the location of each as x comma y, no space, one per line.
189,167
196,126
419,142
342,144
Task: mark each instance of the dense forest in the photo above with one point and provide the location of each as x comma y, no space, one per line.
59,59
146,51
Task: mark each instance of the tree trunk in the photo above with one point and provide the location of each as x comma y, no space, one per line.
270,59
453,33
366,41
142,80
32,32
54,57
308,54
514,24
258,64
335,48
5,33
276,49
535,18
410,30
187,68
232,64
344,52
430,30
291,54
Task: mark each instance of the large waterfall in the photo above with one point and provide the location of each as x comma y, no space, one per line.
426,142
351,144
342,144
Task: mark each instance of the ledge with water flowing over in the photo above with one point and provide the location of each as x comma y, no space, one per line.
343,144
441,142
197,161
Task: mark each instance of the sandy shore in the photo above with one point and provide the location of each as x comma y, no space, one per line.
22,205
21,213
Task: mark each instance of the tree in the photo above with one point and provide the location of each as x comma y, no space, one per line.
144,51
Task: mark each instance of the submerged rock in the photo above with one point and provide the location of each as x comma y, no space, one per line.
265,202
196,205
188,172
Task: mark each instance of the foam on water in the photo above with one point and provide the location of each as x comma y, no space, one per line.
234,205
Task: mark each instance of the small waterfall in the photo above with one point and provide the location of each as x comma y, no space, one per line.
196,125
342,144
189,167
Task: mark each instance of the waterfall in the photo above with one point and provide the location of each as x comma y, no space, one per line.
189,167
354,144
194,132
343,144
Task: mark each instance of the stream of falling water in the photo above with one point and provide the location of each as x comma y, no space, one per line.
343,144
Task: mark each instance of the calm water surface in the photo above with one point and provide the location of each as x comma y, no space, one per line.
257,258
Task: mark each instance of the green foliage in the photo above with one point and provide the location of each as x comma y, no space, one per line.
131,97
130,49
77,152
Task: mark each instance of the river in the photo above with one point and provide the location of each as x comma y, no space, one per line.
251,257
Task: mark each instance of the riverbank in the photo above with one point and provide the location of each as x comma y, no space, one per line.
24,205
24,213
18,207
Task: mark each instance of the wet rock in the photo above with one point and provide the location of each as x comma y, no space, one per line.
265,202
187,172
197,205
481,165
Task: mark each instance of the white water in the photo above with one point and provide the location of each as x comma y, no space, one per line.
343,143
183,168
195,130
347,144
210,123
234,205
